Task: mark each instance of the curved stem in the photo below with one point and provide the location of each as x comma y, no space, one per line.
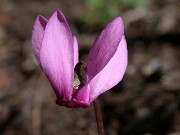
99,120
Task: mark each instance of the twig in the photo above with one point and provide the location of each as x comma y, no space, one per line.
36,109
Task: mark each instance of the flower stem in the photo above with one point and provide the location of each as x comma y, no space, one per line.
99,120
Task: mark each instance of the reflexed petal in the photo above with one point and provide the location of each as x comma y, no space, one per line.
104,47
76,52
112,72
37,35
57,54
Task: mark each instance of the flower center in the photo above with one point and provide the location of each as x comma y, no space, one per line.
79,75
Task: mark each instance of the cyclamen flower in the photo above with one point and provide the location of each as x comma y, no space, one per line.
74,83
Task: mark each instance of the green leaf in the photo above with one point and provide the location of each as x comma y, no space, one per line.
95,3
134,3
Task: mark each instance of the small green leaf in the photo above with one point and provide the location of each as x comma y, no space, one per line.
95,3
134,3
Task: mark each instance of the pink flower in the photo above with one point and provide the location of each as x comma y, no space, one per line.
74,83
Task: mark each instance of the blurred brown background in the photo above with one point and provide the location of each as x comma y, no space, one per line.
146,102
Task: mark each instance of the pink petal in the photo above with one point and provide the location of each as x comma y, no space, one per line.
38,34
104,47
81,96
76,53
57,54
112,73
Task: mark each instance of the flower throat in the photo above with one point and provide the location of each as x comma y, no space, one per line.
79,75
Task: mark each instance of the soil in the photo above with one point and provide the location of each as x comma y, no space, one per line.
145,102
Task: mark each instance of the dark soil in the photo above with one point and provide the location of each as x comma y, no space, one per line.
146,102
